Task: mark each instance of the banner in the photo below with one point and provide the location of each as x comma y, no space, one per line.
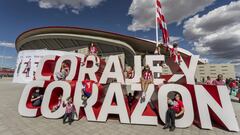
27,63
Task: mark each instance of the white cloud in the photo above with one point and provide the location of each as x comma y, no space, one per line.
200,48
73,5
143,12
7,44
217,33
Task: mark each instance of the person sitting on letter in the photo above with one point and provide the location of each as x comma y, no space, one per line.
146,79
36,98
63,72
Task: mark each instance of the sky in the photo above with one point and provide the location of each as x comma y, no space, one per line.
209,28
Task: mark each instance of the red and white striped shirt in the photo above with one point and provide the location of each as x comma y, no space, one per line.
69,108
147,75
93,49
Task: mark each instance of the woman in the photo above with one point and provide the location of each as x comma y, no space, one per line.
63,72
175,110
130,73
146,79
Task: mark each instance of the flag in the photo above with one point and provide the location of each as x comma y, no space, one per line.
162,23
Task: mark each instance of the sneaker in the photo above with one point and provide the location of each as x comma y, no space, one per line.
172,128
143,94
82,63
83,97
164,65
142,99
165,127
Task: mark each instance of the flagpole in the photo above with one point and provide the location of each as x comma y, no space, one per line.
156,22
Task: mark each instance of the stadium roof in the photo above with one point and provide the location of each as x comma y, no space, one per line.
72,38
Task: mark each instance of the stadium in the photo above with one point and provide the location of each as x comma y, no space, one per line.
78,39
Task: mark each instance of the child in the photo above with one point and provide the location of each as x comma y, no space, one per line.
55,107
70,111
175,54
86,90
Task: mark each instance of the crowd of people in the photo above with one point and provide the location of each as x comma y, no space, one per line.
175,105
233,85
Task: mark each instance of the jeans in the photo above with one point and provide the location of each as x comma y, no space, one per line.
69,116
37,102
170,118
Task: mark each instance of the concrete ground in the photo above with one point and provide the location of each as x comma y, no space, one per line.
11,123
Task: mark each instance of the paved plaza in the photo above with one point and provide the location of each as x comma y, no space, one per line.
11,123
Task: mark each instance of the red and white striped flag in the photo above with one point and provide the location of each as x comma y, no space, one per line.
162,23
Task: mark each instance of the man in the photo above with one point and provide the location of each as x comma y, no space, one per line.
36,98
92,50
69,112
219,80
209,81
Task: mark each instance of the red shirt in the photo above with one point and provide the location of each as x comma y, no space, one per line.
147,75
233,84
88,85
178,105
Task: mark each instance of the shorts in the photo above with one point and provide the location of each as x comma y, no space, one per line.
87,94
